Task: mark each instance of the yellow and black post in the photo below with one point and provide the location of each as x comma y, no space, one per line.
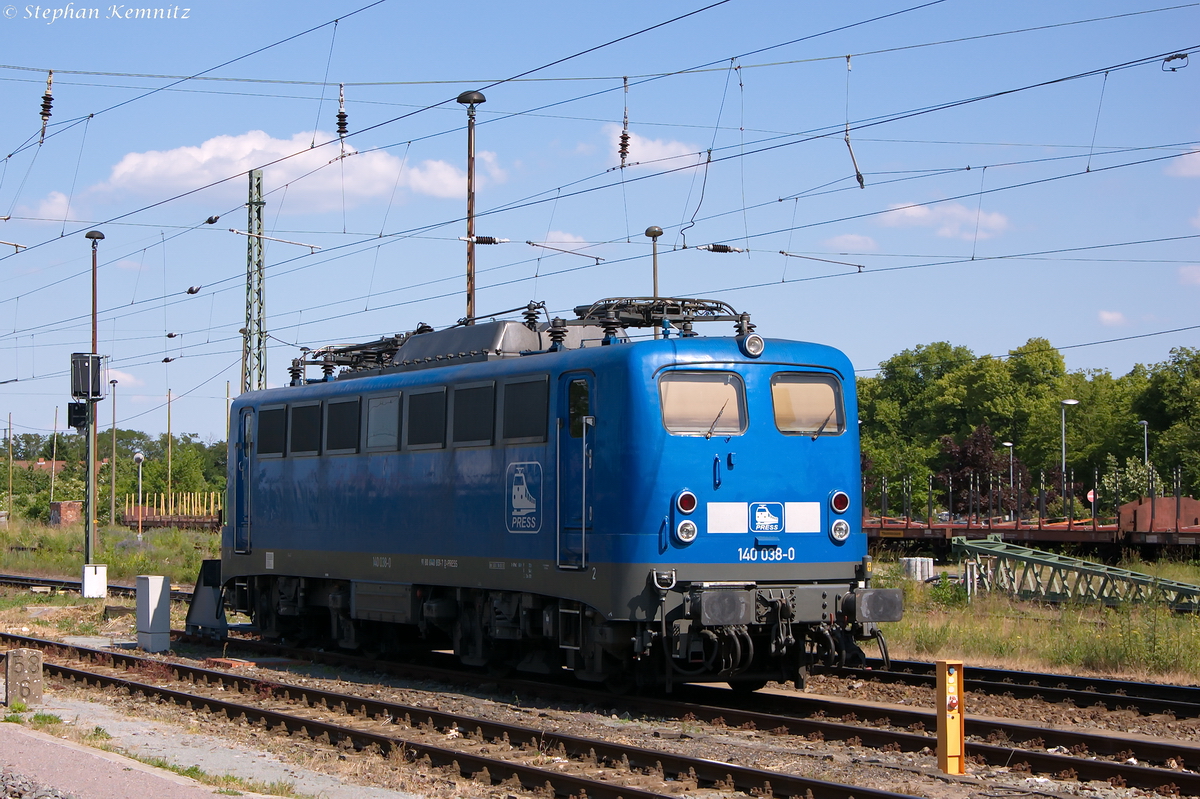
950,717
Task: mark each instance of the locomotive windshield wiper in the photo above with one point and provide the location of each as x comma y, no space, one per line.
713,426
821,429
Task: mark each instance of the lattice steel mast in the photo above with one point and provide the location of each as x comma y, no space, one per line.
254,334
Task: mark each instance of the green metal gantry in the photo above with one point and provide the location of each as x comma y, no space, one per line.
1032,574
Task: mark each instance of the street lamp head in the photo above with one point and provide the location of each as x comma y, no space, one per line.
112,382
138,457
1144,423
1070,402
94,235
654,231
472,98
1006,443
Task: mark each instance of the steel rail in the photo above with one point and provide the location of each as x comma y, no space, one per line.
1146,697
806,714
708,773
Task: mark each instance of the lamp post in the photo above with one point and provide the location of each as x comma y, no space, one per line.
471,99
1064,404
1146,451
138,457
1009,444
653,232
112,460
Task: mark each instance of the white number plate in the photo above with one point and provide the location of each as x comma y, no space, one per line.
766,554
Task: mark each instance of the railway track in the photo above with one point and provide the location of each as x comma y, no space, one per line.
993,741
998,742
1147,698
485,750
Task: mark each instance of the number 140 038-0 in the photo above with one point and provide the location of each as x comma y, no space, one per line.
766,554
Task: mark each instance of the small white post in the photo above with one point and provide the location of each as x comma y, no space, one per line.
95,581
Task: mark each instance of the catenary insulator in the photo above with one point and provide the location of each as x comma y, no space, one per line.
623,149
47,103
342,116
296,371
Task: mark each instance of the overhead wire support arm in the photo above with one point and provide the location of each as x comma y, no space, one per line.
860,267
18,247
259,235
595,258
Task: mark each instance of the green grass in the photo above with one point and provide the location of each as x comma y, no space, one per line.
229,785
31,548
1145,641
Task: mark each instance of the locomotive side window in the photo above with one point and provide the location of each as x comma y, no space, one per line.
474,414
524,408
272,429
579,405
703,403
426,423
808,404
305,430
383,423
341,427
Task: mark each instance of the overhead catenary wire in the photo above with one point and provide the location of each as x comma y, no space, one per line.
757,235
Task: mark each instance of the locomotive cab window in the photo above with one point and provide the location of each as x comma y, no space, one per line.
579,405
272,431
341,427
524,408
703,403
383,423
807,403
425,425
305,429
474,414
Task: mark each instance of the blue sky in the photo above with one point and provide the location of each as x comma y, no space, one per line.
1060,201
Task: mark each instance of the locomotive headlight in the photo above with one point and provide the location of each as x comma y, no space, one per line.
752,345
685,501
840,530
840,501
686,531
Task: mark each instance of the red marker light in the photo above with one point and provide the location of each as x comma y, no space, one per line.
686,502
840,502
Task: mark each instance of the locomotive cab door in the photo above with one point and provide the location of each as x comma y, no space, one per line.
573,466
241,487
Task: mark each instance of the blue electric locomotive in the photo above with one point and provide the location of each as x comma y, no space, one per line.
553,495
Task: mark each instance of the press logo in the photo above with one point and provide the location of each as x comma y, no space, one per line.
52,14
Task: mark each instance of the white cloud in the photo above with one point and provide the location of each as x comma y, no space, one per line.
1189,275
558,238
952,220
361,176
1187,166
650,153
125,263
124,379
1112,318
851,242
54,206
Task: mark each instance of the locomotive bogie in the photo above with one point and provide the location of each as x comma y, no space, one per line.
682,508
